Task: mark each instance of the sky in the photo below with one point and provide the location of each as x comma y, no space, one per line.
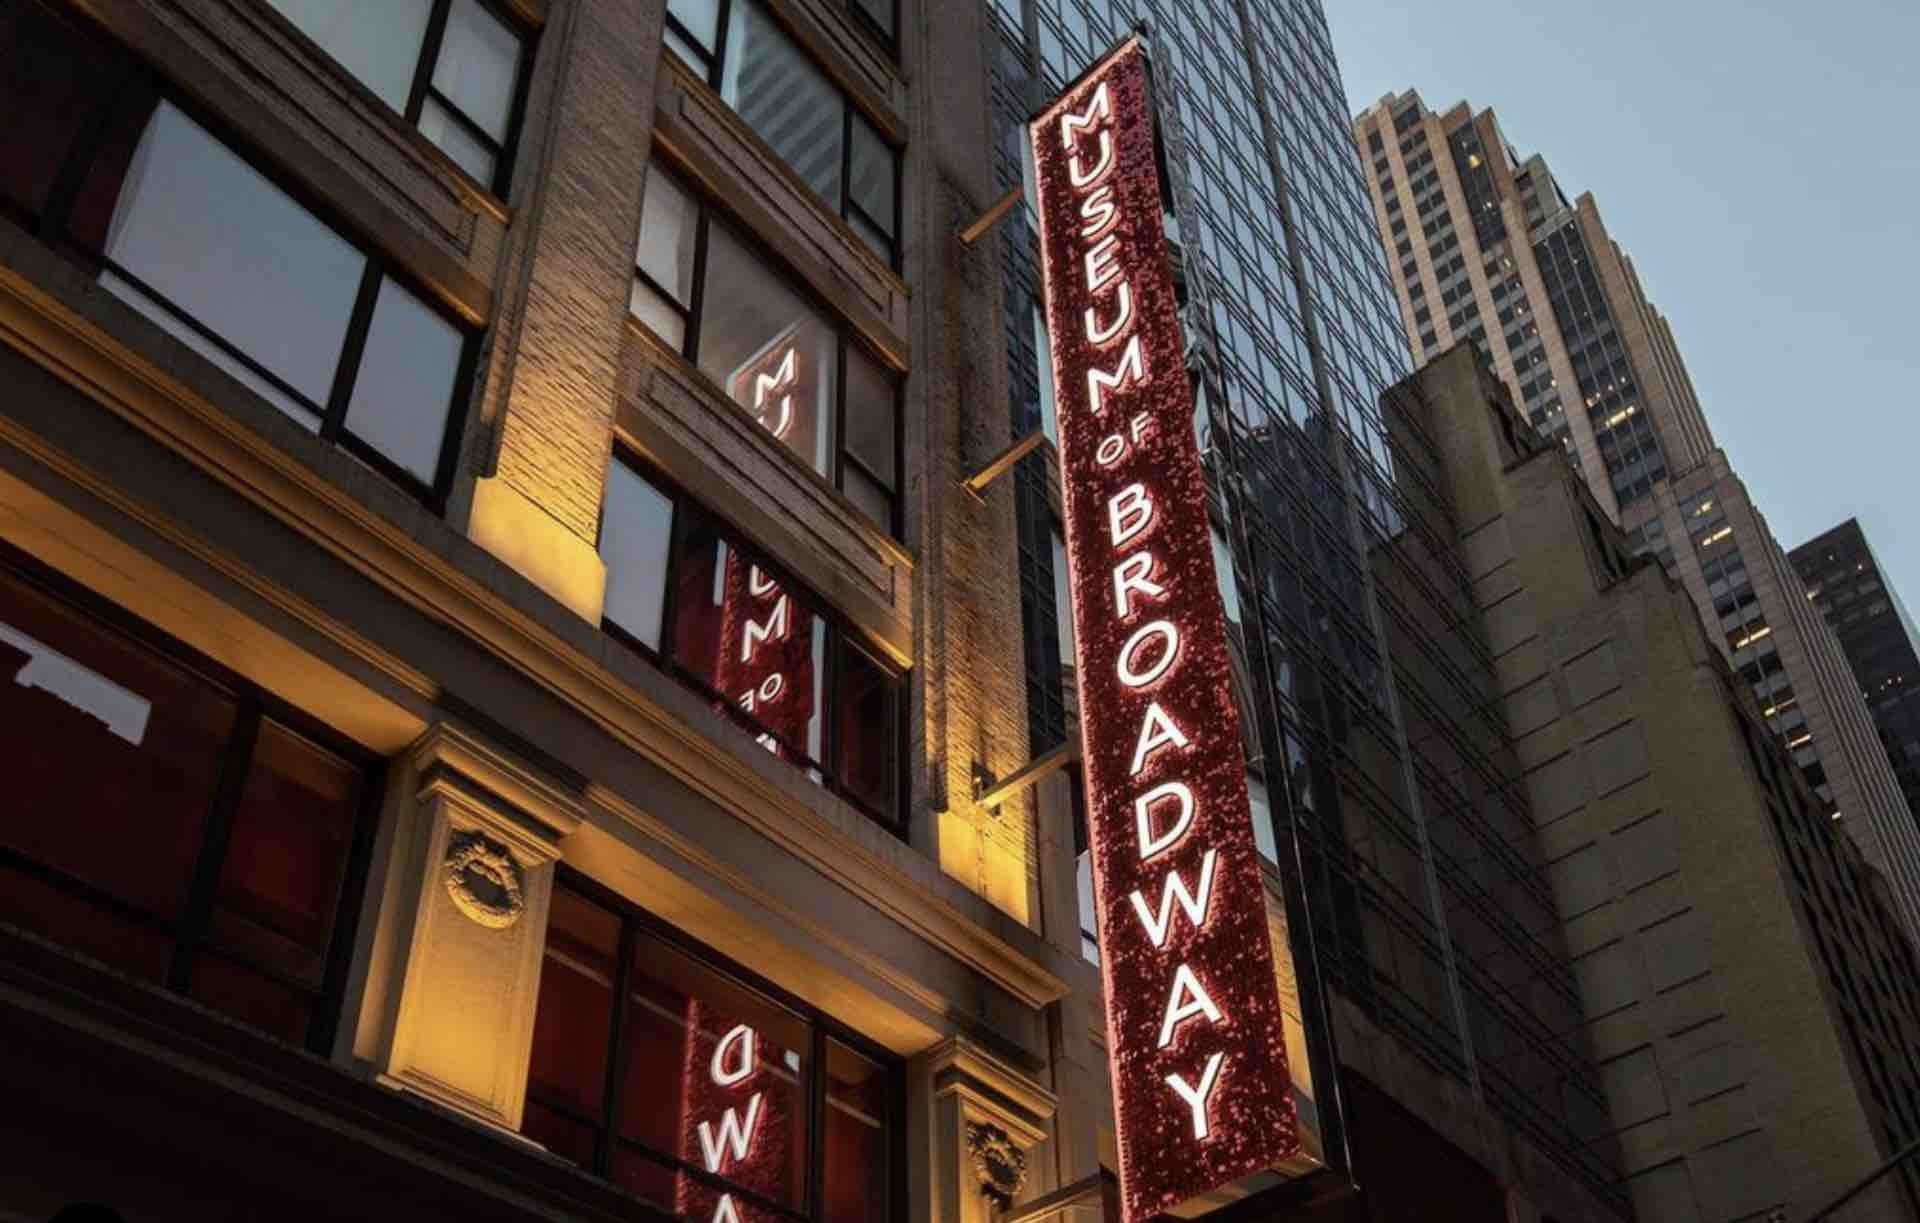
1760,160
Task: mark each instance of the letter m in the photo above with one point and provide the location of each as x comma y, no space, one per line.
1099,108
1131,371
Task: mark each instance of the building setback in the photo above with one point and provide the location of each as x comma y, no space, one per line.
518,710
1486,247
1747,988
1844,579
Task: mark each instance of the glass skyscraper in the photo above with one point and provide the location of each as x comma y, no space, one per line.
1400,835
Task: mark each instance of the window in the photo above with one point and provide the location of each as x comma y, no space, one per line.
454,68
771,83
186,231
700,288
172,821
660,1068
726,623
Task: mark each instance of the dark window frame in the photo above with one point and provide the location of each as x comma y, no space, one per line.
714,68
421,88
841,637
636,923
191,933
138,84
691,316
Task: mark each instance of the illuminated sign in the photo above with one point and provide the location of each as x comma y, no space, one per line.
737,1124
765,662
1194,1026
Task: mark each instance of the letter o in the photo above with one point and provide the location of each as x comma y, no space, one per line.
1111,450
772,687
1135,678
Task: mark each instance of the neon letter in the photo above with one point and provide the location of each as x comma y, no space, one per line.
1196,1097
735,1137
774,629
758,583
764,385
726,1213
740,1038
1096,334
1160,925
1131,371
1134,573
1135,678
1129,513
1099,106
1098,212
1151,845
1156,731
1101,266
1178,1012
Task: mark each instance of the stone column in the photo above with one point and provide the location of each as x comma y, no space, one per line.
986,1117
554,367
476,878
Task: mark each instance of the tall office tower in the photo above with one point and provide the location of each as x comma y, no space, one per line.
1844,579
1724,930
1439,1015
1486,247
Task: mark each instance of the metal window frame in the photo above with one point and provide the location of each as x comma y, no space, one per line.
190,933
637,923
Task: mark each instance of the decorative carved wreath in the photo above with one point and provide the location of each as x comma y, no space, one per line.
484,881
1001,1166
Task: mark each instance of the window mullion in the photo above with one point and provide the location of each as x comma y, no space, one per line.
334,411
723,23
816,1127
697,308
429,59
192,930
616,1053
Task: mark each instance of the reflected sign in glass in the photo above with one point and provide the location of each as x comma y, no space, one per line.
1194,1024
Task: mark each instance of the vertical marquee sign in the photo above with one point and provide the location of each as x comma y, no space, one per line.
1194,1026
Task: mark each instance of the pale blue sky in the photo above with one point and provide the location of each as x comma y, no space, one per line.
1760,159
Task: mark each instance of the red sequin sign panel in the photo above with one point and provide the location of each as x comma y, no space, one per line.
1194,1032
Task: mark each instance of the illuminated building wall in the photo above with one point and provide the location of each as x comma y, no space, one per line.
1385,794
1486,248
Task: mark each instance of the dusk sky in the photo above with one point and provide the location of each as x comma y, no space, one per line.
1760,160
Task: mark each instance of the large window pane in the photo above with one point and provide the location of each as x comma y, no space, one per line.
868,731
701,18
636,531
775,357
479,67
873,177
728,1049
208,233
52,81
740,632
668,219
469,152
871,416
378,41
287,855
113,754
856,1137
575,1017
403,392
785,98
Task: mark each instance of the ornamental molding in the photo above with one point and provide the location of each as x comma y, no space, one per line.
997,1161
485,882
